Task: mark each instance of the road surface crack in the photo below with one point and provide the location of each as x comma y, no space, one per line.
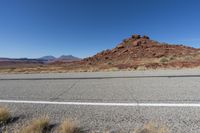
63,92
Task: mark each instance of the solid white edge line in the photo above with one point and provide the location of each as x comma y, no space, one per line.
105,104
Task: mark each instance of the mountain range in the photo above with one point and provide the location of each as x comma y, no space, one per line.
12,63
44,59
63,58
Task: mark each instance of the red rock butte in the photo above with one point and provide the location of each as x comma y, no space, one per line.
140,51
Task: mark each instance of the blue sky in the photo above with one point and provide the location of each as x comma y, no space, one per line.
34,28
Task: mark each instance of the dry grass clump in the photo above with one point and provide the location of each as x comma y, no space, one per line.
141,68
36,126
4,115
68,126
5,130
164,60
151,128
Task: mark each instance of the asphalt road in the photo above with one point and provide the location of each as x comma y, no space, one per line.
107,100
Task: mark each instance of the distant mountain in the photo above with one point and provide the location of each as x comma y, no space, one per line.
27,62
4,59
48,58
68,58
20,60
63,58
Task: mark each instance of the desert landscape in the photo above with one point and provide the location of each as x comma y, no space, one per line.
99,66
134,53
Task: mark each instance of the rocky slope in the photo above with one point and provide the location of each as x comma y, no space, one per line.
140,52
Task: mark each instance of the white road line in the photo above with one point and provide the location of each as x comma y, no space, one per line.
106,104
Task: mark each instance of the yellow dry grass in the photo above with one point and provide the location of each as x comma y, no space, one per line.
4,114
35,126
68,126
151,128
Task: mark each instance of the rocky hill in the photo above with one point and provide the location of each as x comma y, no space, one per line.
140,52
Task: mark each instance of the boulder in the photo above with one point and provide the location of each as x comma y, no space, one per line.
136,36
146,37
120,46
137,43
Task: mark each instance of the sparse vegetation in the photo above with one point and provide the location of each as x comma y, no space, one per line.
188,58
172,58
68,126
41,125
151,128
36,126
141,68
164,60
4,115
109,63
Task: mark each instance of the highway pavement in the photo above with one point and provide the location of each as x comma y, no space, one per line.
107,100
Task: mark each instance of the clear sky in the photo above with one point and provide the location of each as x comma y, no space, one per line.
34,28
